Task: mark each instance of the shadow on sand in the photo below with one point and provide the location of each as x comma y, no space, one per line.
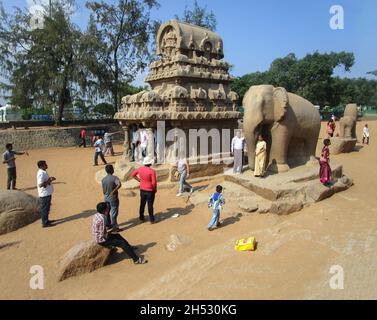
9,244
82,215
119,255
158,217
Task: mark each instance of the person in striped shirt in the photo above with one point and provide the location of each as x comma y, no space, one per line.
103,238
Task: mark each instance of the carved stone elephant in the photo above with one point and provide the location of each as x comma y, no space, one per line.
347,124
289,123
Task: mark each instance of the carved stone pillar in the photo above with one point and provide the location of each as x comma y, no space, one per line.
150,147
126,144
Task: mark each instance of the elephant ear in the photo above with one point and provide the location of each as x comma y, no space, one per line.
280,103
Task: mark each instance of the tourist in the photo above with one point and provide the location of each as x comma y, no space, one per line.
216,201
135,142
333,118
148,187
110,186
99,145
237,150
103,238
260,157
143,142
324,162
10,160
366,134
107,139
330,128
184,172
45,191
83,138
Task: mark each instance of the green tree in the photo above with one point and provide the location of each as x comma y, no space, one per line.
310,77
44,66
117,41
199,16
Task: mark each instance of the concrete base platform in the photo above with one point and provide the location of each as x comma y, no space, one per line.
288,184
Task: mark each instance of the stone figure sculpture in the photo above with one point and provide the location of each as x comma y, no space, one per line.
347,124
346,141
289,123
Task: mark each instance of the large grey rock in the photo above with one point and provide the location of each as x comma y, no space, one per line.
317,191
17,209
286,206
84,257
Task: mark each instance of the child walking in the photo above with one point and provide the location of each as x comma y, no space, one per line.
216,201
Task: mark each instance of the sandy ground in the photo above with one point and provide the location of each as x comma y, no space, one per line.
292,261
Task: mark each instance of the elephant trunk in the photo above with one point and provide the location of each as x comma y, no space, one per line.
251,139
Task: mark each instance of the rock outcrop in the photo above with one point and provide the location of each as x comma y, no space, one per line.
84,257
17,209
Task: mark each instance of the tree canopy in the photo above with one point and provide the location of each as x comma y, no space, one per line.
199,16
54,63
313,78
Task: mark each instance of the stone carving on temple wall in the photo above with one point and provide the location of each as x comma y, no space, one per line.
189,77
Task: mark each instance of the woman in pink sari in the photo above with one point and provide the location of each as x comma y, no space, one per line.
324,163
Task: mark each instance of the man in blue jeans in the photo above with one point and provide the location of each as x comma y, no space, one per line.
110,186
45,191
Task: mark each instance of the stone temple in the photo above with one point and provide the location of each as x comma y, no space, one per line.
190,88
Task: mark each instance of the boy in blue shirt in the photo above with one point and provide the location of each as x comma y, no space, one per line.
216,201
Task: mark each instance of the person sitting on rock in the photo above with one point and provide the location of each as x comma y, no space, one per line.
103,238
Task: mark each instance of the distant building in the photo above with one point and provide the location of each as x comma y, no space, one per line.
37,17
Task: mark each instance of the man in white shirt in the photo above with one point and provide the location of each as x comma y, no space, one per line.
237,148
366,134
45,191
99,145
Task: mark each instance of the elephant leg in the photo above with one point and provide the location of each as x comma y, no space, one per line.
279,148
310,146
250,152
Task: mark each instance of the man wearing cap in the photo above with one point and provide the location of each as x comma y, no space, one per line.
148,187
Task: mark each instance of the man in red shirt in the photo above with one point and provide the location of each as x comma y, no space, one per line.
83,138
148,187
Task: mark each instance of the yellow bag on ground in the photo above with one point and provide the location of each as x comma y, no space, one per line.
247,244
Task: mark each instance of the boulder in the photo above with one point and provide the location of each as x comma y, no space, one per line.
248,205
317,192
84,257
17,209
286,206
